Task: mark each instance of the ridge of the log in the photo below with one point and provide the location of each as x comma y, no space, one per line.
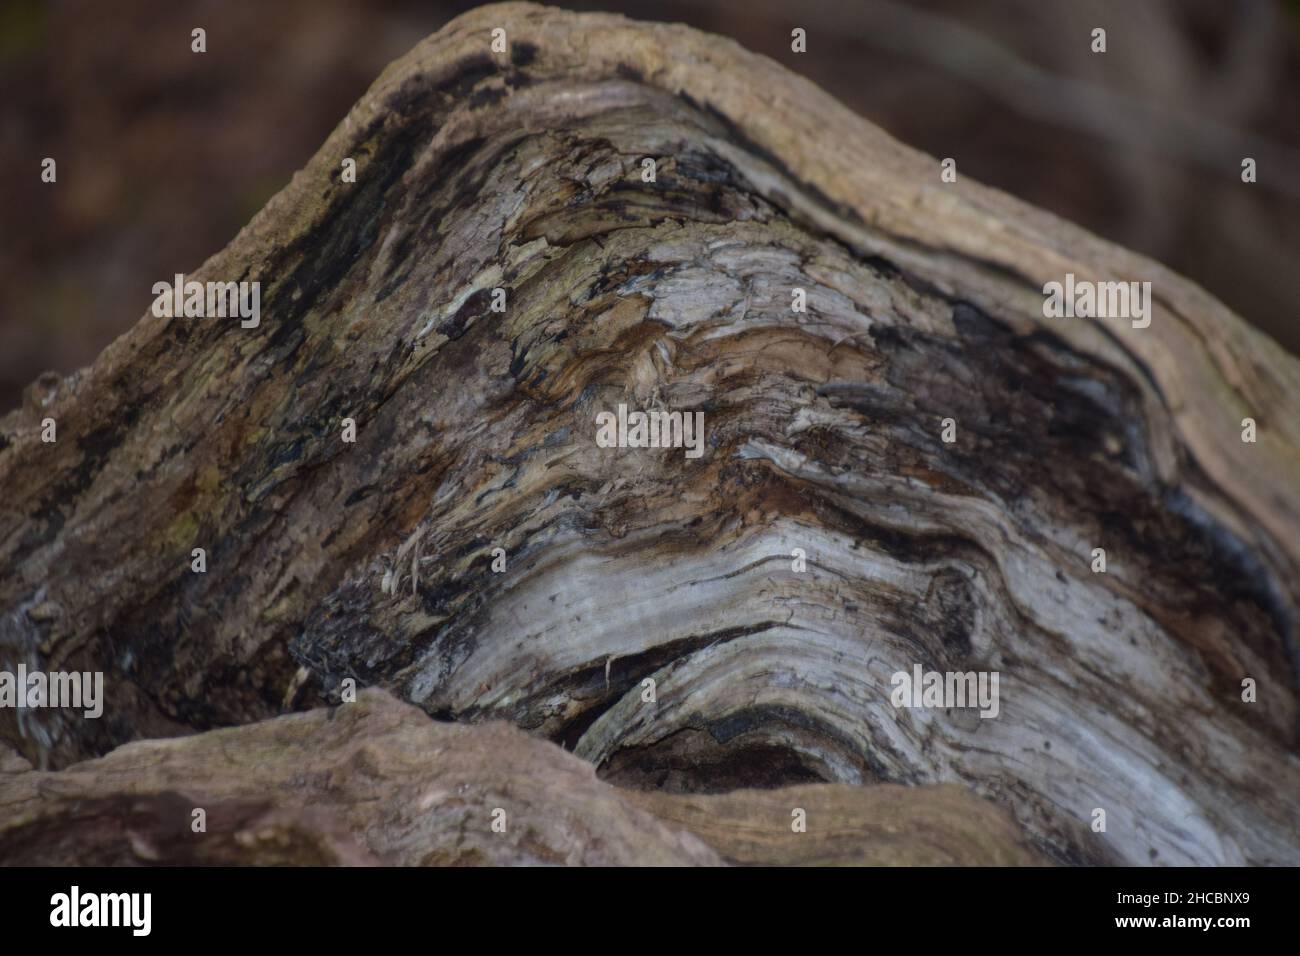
884,198
477,171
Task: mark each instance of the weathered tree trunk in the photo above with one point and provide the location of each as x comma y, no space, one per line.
475,430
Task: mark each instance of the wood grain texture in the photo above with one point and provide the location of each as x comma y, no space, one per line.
476,431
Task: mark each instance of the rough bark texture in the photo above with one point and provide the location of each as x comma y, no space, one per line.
371,560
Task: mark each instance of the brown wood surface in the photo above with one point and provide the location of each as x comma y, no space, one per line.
475,430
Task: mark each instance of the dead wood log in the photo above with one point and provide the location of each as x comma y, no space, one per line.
376,781
475,430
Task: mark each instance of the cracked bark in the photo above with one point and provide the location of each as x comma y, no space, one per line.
476,431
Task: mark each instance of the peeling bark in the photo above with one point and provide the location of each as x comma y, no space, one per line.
475,431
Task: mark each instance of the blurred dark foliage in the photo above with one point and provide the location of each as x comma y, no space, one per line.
163,154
